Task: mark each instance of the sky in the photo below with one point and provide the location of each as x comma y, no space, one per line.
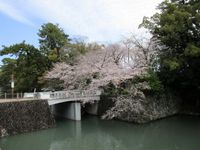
98,20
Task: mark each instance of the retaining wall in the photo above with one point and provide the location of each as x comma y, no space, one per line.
25,116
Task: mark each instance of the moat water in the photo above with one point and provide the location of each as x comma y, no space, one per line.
92,133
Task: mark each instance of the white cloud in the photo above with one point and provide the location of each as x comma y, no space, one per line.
14,13
100,20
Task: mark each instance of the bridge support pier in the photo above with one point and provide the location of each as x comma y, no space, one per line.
92,108
69,110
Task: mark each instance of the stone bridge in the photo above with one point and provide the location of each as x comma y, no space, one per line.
68,103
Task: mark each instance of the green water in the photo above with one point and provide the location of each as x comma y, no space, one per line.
176,133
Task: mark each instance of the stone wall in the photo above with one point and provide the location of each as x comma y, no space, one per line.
143,109
25,116
137,100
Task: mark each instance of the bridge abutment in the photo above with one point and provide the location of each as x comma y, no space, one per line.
92,108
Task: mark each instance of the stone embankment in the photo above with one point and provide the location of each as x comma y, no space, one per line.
24,116
141,105
132,109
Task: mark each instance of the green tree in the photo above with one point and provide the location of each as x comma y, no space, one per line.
52,39
72,50
6,70
177,29
27,66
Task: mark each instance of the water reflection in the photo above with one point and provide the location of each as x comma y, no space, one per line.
85,136
177,133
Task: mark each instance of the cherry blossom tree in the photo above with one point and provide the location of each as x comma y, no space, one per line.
113,63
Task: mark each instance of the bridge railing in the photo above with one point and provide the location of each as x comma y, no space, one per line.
74,94
11,95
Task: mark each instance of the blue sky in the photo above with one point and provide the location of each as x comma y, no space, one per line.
14,32
99,20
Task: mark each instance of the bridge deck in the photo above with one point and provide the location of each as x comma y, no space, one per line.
58,96
86,99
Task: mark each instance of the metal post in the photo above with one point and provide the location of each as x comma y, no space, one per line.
12,93
5,96
12,85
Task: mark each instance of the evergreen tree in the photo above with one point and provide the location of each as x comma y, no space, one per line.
177,28
52,39
27,66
